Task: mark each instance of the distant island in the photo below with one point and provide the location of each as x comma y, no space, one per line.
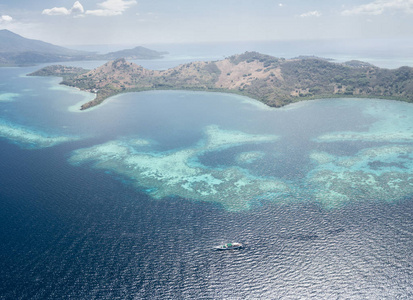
273,81
16,50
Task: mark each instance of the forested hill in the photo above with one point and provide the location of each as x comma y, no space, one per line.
273,81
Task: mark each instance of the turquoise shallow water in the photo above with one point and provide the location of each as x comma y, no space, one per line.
126,200
302,149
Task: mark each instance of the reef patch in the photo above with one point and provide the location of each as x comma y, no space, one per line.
378,173
178,173
7,97
31,139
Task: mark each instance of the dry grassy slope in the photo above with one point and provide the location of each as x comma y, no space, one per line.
221,74
252,74
118,74
195,74
234,76
273,81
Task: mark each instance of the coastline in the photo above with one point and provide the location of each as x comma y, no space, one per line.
247,99
275,82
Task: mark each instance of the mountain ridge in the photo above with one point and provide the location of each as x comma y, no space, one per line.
16,50
12,42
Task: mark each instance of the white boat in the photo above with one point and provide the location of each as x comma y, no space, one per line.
229,246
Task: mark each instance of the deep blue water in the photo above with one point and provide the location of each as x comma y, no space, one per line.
88,231
70,234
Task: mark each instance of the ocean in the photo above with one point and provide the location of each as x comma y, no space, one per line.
128,200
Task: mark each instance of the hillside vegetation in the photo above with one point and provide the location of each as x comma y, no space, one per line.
273,81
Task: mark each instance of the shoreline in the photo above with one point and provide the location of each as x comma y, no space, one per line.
272,81
247,99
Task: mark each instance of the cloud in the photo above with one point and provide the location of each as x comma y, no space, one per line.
314,13
77,8
107,8
5,19
111,8
55,11
378,7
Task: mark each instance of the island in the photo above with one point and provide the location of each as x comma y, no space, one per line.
16,50
273,81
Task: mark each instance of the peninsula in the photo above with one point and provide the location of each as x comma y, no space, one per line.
273,81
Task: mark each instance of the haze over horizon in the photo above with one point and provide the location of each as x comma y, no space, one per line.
91,22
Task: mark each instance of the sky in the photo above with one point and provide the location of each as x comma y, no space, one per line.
93,22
